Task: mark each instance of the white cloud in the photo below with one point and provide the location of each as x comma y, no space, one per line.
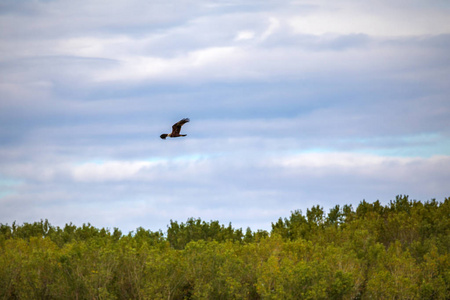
109,171
204,48
201,65
244,35
247,189
372,18
274,24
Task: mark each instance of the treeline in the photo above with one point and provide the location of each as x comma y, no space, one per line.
397,251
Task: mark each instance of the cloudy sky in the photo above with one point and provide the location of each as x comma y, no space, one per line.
292,104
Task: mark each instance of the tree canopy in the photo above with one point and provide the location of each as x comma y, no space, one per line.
395,251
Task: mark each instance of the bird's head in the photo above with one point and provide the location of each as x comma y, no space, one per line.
163,136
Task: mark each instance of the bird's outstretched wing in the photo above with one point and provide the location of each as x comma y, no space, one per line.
177,126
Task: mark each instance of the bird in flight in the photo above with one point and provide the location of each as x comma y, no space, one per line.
175,129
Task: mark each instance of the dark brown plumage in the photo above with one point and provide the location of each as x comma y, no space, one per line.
175,129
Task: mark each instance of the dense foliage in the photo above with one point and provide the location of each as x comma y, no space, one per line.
397,251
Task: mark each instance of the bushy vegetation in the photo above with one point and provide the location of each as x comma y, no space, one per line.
397,251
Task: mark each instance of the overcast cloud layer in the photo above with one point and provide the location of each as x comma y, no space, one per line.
292,104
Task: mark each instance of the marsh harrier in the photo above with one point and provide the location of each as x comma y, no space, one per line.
175,129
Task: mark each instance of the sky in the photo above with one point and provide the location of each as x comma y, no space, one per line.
292,104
